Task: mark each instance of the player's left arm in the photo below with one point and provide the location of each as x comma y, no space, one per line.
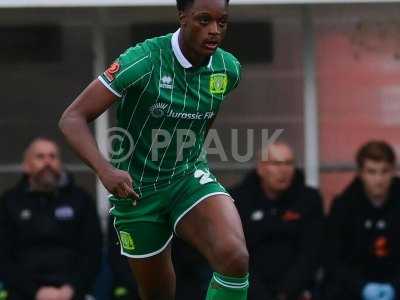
234,73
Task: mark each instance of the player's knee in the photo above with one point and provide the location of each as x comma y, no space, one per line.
233,258
238,262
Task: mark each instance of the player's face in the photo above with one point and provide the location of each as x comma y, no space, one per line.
204,24
42,161
376,177
277,170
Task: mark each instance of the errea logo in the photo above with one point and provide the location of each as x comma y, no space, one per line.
166,82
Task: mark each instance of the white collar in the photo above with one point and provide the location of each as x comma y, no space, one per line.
178,52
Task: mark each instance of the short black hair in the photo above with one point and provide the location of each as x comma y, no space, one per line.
183,4
376,150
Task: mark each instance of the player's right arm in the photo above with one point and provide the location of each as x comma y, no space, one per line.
130,70
90,104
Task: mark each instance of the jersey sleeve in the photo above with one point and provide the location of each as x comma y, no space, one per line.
234,71
237,73
127,70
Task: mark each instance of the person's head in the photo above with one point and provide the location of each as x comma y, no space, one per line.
276,167
376,162
203,24
42,164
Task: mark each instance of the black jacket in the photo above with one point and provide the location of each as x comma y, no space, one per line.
48,239
362,242
283,235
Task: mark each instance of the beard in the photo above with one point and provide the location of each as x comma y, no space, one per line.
46,180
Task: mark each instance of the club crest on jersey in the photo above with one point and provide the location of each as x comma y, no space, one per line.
166,82
218,83
111,71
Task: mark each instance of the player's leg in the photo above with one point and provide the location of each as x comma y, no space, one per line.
155,276
144,234
213,227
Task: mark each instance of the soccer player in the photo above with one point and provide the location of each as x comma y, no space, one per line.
169,90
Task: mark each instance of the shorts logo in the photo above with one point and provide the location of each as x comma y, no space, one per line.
110,72
218,83
204,176
126,240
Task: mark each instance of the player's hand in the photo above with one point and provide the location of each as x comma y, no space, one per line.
118,183
48,293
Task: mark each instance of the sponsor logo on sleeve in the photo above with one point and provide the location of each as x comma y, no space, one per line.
111,71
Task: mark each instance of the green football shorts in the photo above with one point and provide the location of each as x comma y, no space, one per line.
146,229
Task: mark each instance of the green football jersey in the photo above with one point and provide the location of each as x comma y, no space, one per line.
165,109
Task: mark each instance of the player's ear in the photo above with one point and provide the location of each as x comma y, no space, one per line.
182,18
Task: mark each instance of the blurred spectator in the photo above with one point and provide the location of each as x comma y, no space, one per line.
363,244
49,231
282,220
192,271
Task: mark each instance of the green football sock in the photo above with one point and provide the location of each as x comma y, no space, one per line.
228,288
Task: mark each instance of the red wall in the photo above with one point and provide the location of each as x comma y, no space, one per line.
358,73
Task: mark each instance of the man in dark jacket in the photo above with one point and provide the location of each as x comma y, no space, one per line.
363,236
282,220
49,231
